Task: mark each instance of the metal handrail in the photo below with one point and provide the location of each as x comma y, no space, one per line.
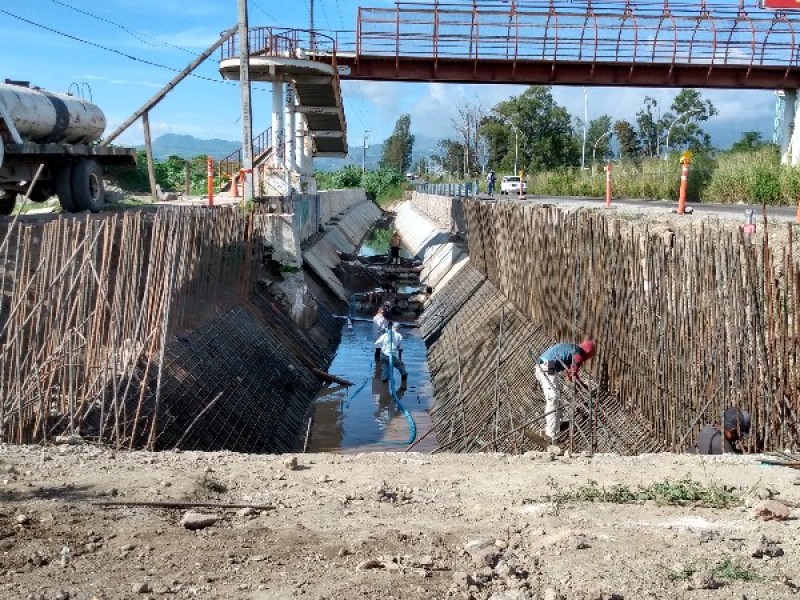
232,163
672,33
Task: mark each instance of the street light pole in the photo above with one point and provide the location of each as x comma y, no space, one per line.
364,153
594,150
585,119
516,143
669,131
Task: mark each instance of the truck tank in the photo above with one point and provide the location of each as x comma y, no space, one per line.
44,117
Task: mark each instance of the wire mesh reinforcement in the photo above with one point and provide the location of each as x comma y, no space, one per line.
684,329
487,396
93,311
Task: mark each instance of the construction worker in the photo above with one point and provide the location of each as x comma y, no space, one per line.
390,343
566,358
382,320
394,245
711,437
491,179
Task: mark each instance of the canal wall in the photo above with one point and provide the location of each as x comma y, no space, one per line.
342,235
478,341
684,328
303,216
167,329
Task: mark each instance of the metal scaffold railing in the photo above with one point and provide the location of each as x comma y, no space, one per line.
646,43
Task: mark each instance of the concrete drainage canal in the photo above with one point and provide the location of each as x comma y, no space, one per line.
373,415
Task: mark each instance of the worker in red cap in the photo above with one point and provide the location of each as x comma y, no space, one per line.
561,358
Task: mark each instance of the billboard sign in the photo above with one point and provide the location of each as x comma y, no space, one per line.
781,4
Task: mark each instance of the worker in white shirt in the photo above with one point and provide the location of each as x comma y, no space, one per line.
382,320
390,343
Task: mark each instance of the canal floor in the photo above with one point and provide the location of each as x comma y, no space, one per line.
364,417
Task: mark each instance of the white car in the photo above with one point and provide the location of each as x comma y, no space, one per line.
511,184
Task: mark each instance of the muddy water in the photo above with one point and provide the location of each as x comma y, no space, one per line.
364,417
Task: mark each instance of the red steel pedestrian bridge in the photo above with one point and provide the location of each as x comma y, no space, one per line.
650,43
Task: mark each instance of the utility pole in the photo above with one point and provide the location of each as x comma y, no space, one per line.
311,15
248,190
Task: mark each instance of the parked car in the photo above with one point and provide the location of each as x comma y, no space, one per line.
510,185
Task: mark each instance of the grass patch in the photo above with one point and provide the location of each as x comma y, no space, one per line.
208,484
390,194
129,202
683,573
728,569
684,492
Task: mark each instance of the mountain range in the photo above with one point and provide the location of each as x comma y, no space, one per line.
187,146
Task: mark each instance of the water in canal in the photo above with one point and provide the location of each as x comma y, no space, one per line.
365,417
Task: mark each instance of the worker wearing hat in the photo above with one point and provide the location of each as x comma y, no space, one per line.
382,320
390,344
566,358
712,439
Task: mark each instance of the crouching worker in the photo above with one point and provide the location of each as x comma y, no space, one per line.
391,344
712,438
553,361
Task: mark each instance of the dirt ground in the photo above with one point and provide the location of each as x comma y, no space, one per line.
385,525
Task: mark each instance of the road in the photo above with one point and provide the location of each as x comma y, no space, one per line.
779,213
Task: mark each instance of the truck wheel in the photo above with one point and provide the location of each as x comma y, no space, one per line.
87,186
7,204
64,188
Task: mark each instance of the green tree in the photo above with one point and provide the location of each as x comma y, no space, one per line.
688,110
598,138
627,139
397,149
500,142
546,136
348,176
452,156
648,123
750,140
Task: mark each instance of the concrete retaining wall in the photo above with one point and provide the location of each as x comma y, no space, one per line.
343,234
436,247
334,202
445,211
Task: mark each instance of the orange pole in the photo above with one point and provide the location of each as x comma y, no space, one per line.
210,181
608,185
797,217
684,185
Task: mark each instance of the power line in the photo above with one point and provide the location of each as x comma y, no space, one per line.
113,50
339,10
120,26
259,7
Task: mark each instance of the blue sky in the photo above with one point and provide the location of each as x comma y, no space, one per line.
172,32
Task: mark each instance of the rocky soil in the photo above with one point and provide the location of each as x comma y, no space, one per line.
388,525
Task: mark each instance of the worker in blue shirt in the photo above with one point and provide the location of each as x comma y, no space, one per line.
561,358
714,439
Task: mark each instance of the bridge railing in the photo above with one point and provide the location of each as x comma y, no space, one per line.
601,31
456,190
233,162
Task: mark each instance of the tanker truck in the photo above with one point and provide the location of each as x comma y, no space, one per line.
58,131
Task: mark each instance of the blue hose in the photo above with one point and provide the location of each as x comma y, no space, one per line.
412,426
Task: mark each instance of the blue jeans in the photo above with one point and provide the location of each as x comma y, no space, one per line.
398,364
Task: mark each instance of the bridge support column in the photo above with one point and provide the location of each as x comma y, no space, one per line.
277,123
790,132
299,147
290,130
